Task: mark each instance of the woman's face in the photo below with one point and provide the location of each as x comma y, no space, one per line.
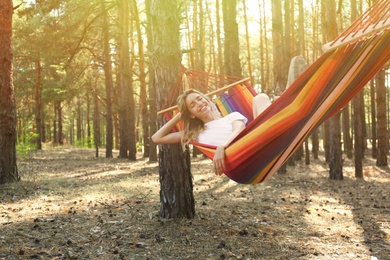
198,106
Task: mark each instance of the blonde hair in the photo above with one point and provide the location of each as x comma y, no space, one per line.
192,126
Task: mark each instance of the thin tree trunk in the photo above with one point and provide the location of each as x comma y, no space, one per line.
279,61
232,46
8,167
124,80
219,40
358,119
88,97
382,119
142,78
78,121
373,121
357,102
108,81
38,105
96,120
335,153
346,132
248,46
60,125
151,89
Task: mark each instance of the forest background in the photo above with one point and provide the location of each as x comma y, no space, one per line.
82,70
95,73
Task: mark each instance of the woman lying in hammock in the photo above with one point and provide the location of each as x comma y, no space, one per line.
204,124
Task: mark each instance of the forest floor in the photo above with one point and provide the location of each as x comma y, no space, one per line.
71,205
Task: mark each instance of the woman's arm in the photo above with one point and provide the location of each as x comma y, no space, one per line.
219,156
164,135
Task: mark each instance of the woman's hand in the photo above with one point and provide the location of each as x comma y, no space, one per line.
219,160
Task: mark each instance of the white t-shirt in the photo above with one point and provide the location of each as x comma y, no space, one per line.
217,131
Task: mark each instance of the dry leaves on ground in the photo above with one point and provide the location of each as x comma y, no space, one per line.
71,205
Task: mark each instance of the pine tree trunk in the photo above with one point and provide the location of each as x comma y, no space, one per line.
124,106
176,193
315,144
248,49
38,105
232,45
96,121
374,150
335,153
280,74
142,78
108,82
346,132
219,40
152,123
335,160
358,135
60,125
382,119
8,168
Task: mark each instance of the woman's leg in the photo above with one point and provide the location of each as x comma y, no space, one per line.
260,103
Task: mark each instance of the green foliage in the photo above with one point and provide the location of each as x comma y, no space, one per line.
29,143
83,142
140,146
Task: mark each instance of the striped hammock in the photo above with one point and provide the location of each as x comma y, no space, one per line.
321,91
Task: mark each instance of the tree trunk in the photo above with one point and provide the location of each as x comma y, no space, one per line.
335,159
279,65
382,119
60,125
279,68
374,150
315,144
108,81
8,167
348,146
38,105
358,125
219,40
96,121
79,128
248,48
88,97
142,78
152,123
176,194
232,45
335,153
124,108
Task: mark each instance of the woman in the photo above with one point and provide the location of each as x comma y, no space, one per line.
204,124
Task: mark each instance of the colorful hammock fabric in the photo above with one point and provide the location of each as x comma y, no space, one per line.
322,90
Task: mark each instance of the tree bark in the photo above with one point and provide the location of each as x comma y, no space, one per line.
232,45
96,120
382,119
8,167
176,193
126,99
348,146
38,105
335,152
108,82
142,78
374,150
358,135
152,123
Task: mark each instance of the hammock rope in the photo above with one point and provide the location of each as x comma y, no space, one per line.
321,91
